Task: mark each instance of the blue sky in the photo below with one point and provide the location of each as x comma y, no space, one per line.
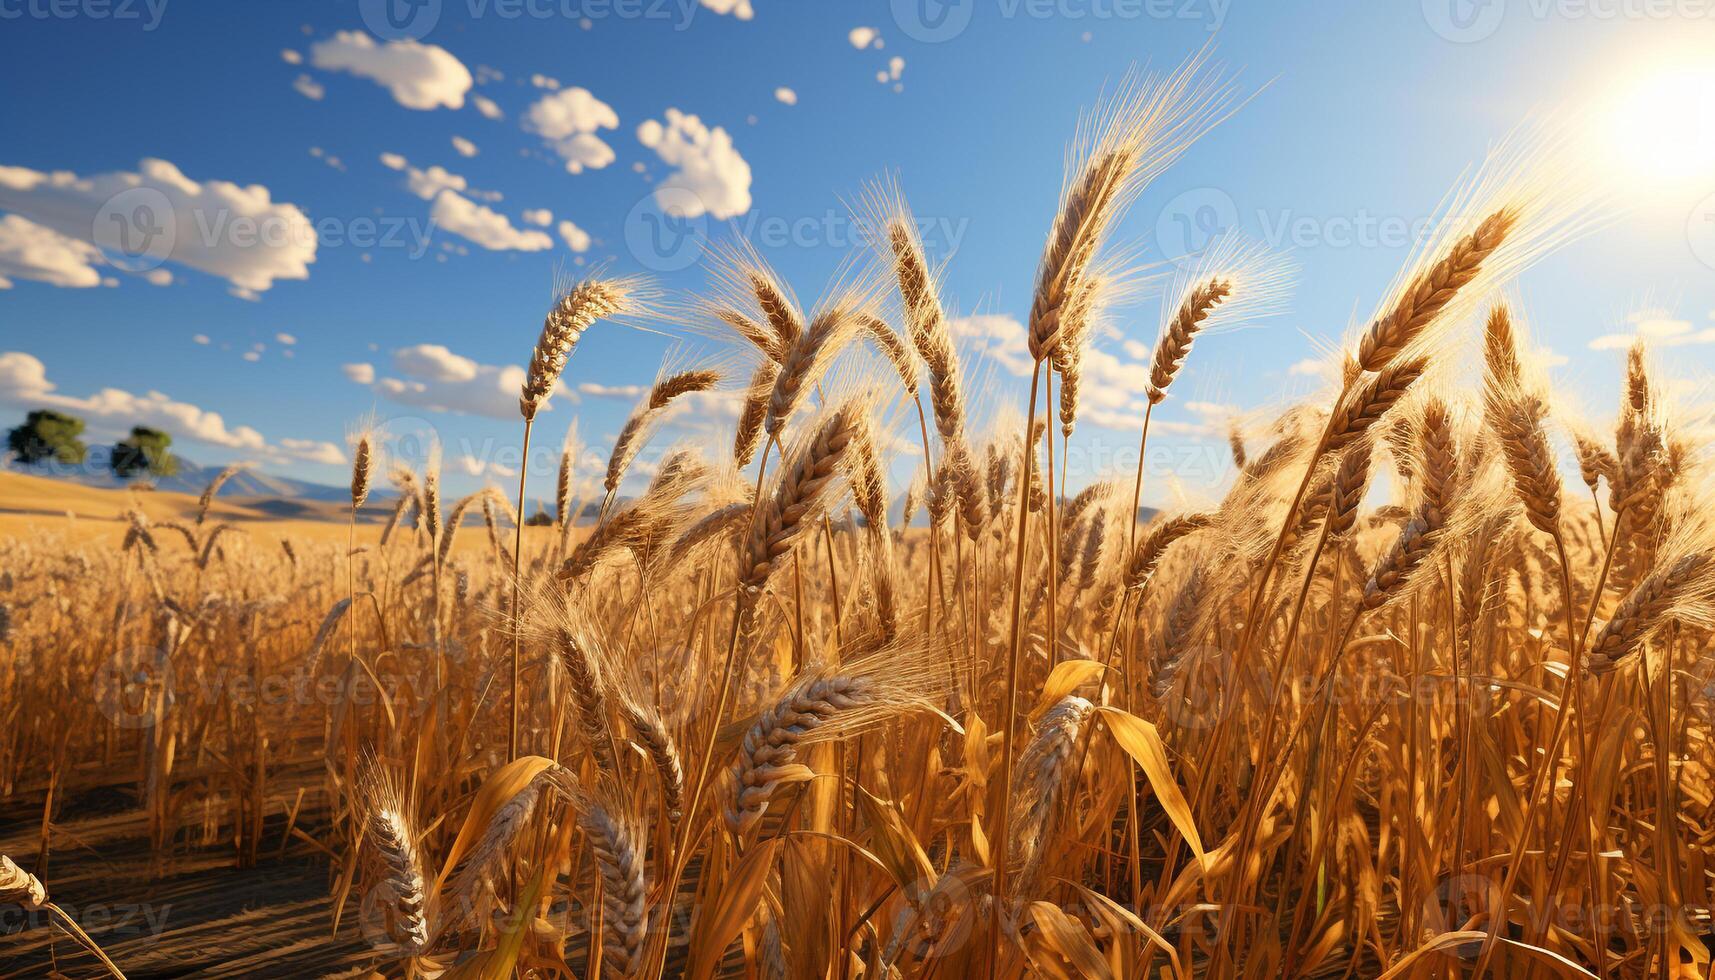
1363,116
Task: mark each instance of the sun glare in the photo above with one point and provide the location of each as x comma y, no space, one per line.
1660,125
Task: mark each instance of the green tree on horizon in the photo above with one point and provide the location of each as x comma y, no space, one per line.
146,450
48,435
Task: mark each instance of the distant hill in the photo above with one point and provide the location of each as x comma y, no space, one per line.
191,478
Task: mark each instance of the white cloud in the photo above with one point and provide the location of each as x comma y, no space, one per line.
998,336
895,67
464,147
568,122
434,362
313,451
291,57
420,76
428,184
363,374
596,389
487,107
711,177
545,81
31,251
484,226
285,338
541,217
24,381
327,158
309,88
862,37
252,356
471,466
575,238
393,161
786,95
201,338
236,232
435,378
738,8
1308,367
1658,328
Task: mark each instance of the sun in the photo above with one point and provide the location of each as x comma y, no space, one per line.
1660,125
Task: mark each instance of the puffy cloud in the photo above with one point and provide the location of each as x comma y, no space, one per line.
596,389
487,107
1308,367
1658,328
285,338
201,338
253,356
786,95
575,238
541,217
236,232
291,57
420,76
31,251
545,81
363,374
434,362
862,37
568,121
738,8
709,168
24,381
393,161
471,466
158,277
428,184
435,378
464,147
309,88
313,451
484,226
895,68
998,336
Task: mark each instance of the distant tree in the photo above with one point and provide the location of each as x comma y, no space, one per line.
48,435
539,519
144,451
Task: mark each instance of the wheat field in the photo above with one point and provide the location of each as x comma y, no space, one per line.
1423,690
